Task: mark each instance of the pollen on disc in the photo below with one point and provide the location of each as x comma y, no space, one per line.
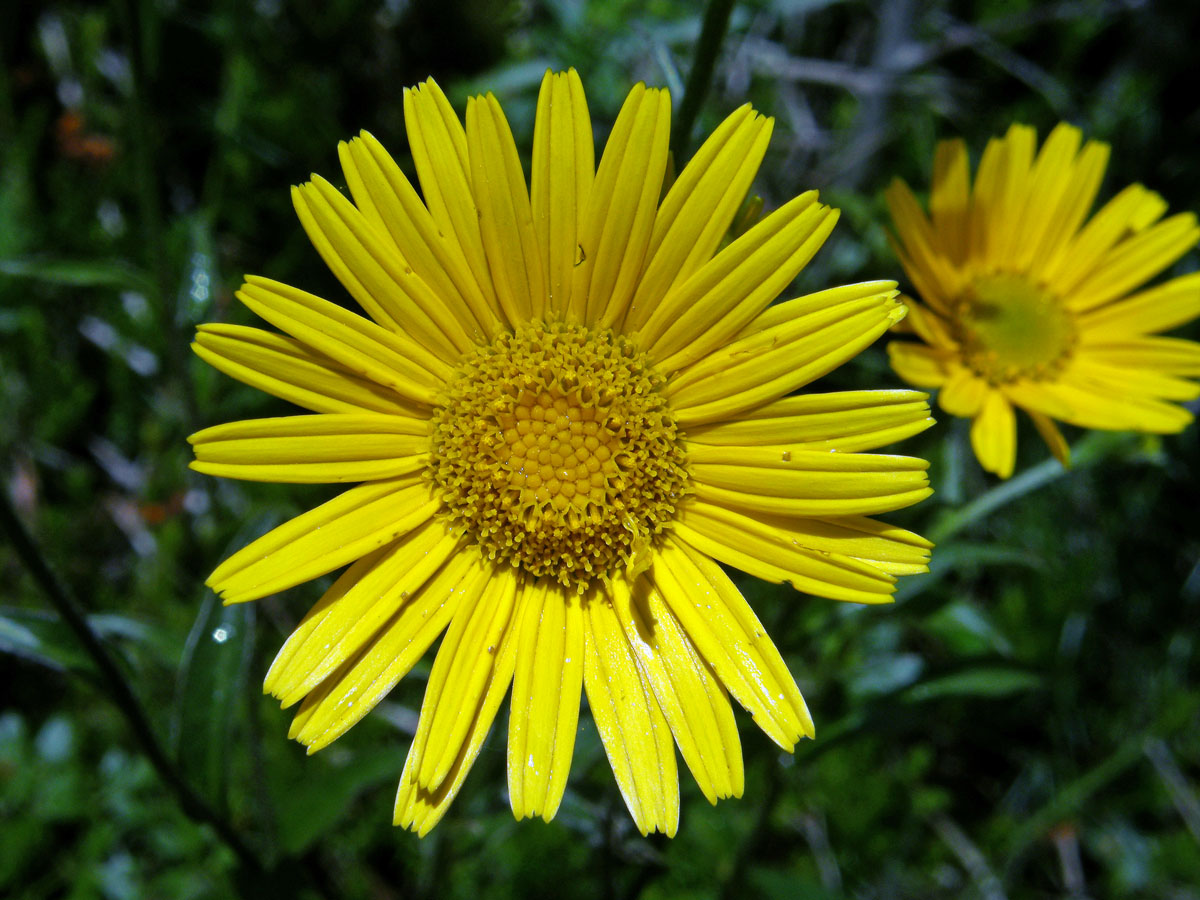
1010,328
555,450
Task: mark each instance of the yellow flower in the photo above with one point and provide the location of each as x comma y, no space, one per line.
566,404
1026,305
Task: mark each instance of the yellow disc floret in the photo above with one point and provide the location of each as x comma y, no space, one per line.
1010,328
554,449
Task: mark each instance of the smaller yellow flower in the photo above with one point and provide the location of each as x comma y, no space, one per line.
1025,304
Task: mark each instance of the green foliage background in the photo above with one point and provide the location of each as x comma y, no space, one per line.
1022,723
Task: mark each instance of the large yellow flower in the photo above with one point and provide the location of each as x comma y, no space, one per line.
566,404
1026,305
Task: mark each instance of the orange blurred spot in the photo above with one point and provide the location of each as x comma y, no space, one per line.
157,513
76,143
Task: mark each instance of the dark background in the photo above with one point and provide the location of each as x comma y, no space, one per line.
1022,723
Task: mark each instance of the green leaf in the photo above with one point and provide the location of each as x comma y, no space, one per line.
310,806
42,637
79,272
967,629
884,673
212,680
991,681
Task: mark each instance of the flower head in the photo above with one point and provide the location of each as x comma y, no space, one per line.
1025,304
564,406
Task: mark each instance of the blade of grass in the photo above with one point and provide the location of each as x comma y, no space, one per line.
708,48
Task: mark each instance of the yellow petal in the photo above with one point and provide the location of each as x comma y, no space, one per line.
1156,309
439,148
286,368
849,421
418,805
792,481
1049,182
375,273
313,449
949,201
355,609
1052,436
729,292
385,196
1091,404
1006,226
984,201
885,547
357,343
689,694
1000,183
564,167
1037,396
932,273
994,435
1160,354
1135,261
1075,203
635,733
1120,381
546,690
699,208
336,532
929,326
462,675
730,637
622,205
773,553
918,365
366,676
963,393
800,341
1130,211
505,216
802,316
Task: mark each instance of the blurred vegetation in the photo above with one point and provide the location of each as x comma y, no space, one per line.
1022,723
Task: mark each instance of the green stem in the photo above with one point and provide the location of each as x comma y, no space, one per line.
1096,446
137,20
114,684
708,47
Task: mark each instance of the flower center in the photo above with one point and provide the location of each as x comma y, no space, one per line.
555,450
1010,328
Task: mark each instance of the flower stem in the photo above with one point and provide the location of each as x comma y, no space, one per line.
1094,447
115,685
708,47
